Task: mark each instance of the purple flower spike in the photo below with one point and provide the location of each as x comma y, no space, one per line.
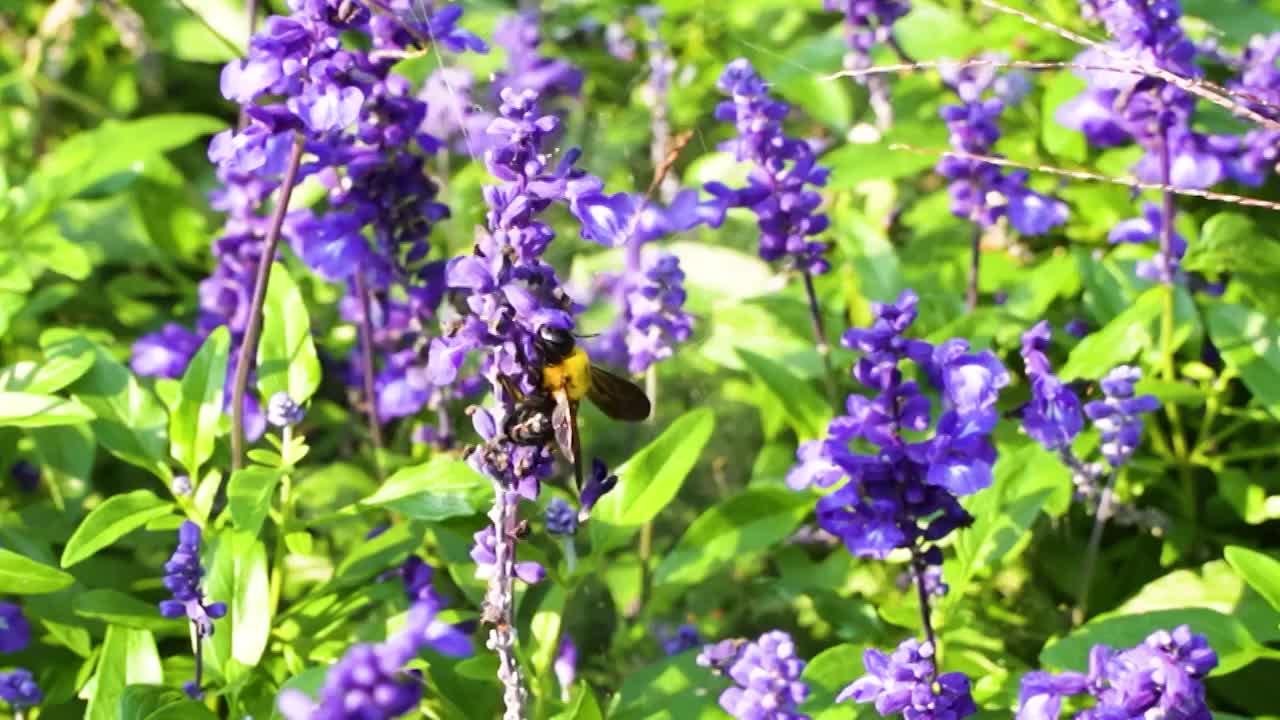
1053,417
1118,416
15,631
780,190
19,689
182,577
907,683
767,677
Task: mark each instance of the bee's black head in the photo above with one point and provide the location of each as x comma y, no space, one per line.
555,344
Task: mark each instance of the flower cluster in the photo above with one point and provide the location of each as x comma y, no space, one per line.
15,630
766,673
370,682
780,190
1118,416
304,81
905,495
1161,677
674,642
907,683
182,575
528,69
19,689
979,191
867,23
1052,417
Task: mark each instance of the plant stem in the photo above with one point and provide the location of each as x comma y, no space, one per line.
366,358
286,519
249,343
199,681
975,261
500,602
1101,515
820,336
917,569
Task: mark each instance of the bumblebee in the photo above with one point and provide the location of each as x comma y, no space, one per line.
567,377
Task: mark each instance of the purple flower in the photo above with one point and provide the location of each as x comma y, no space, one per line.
370,681
1160,677
165,353
15,631
907,683
1076,327
561,518
482,552
548,77
1118,416
182,577
903,494
720,655
566,663
1052,417
282,411
867,23
767,677
683,638
26,475
18,688
597,485
780,189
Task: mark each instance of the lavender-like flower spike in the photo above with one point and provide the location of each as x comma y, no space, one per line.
867,23
1118,416
15,631
182,577
1160,677
18,688
907,683
1052,417
767,676
780,190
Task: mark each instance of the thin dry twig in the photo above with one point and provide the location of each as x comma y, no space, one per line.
1129,180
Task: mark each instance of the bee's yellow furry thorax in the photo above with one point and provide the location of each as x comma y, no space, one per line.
573,374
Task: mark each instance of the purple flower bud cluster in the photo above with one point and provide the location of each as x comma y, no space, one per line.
766,673
370,681
485,556
1118,416
1052,417
18,688
979,191
1161,677
561,518
282,411
674,642
867,23
15,630
527,68
780,190
905,495
26,475
307,78
182,577
1259,79
907,683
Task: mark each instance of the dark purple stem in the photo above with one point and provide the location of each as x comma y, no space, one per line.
249,344
820,335
199,660
917,569
975,263
366,360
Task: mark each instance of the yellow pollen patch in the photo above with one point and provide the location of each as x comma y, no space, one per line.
573,375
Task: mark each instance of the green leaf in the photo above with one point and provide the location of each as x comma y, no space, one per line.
1231,242
128,657
1060,140
545,629
27,410
249,496
287,360
238,577
49,376
806,410
156,702
931,32
117,608
130,422
116,517
651,478
436,490
791,77
1247,341
20,575
584,705
1024,481
194,423
749,522
673,688
1227,635
1262,572
827,674
112,148
373,556
1119,341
